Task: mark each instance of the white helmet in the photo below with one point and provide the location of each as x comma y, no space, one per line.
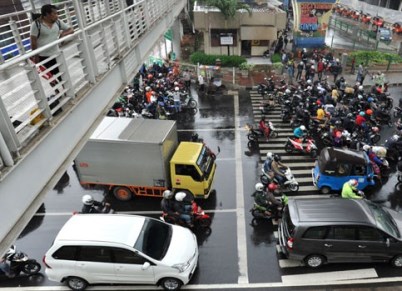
176,83
87,199
366,147
10,252
313,67
287,91
176,88
309,82
361,88
259,187
337,60
269,155
147,88
167,194
180,196
302,127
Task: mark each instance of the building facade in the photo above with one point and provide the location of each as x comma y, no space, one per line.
245,34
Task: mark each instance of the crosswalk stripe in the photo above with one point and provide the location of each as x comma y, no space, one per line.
276,234
331,276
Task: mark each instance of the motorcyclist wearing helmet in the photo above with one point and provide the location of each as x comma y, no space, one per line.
279,168
299,133
273,188
5,264
268,162
261,199
350,191
183,208
177,98
360,119
91,205
372,156
320,113
168,204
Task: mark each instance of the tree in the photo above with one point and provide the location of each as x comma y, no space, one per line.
228,7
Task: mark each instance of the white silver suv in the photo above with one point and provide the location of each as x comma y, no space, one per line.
121,249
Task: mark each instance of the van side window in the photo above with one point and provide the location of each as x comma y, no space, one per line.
342,233
359,170
65,253
318,232
95,254
123,256
370,234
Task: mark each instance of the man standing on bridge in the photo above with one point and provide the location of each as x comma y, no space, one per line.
46,29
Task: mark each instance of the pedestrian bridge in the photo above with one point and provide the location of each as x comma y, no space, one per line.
43,127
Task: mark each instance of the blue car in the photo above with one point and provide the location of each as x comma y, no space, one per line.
335,166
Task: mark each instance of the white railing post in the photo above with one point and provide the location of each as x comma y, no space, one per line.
104,45
61,60
125,25
17,36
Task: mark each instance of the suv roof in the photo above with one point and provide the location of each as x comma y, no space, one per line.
117,228
333,210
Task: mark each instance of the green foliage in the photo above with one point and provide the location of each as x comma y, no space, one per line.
375,57
228,7
246,67
209,60
276,58
277,66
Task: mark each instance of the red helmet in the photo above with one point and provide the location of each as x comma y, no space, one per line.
150,76
338,134
318,102
272,187
369,111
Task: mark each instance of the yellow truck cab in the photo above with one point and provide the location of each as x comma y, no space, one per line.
193,167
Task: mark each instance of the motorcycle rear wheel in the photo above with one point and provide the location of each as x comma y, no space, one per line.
376,138
264,179
31,268
192,103
252,137
274,134
204,222
293,187
288,148
257,214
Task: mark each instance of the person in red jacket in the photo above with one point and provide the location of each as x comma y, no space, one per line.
360,119
264,127
320,69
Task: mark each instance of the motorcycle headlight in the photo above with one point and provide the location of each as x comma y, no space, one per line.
182,267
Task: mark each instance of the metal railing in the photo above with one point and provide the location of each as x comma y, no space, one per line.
104,33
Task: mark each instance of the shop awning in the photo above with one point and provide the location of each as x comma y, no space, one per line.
258,33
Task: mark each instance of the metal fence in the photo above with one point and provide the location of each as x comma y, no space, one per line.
105,32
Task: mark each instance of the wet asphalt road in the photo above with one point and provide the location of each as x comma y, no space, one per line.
218,264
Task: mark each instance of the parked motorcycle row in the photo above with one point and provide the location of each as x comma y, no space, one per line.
162,96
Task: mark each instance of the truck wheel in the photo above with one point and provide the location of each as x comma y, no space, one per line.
122,193
325,190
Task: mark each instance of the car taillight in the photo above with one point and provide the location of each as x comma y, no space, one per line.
290,243
44,262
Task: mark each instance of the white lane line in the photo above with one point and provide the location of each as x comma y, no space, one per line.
276,234
240,214
290,264
364,281
330,276
207,129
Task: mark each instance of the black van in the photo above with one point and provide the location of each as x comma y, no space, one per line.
337,230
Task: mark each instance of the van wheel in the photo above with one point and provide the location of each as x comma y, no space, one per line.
76,283
122,193
171,284
314,261
397,261
325,190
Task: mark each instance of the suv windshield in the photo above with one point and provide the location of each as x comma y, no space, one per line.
154,239
383,219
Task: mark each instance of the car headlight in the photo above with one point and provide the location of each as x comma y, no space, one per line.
182,267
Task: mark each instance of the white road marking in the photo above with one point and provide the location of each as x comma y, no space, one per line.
240,214
290,264
363,281
276,234
330,276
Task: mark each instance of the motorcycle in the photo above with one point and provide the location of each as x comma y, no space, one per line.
103,208
290,184
198,216
266,107
272,211
298,146
21,263
254,134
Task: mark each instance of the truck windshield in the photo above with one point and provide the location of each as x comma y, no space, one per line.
204,162
154,239
384,220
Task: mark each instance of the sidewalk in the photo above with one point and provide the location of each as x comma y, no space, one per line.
256,77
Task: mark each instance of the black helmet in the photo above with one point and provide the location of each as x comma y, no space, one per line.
277,158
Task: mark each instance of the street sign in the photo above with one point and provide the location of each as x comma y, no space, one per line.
226,40
169,35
